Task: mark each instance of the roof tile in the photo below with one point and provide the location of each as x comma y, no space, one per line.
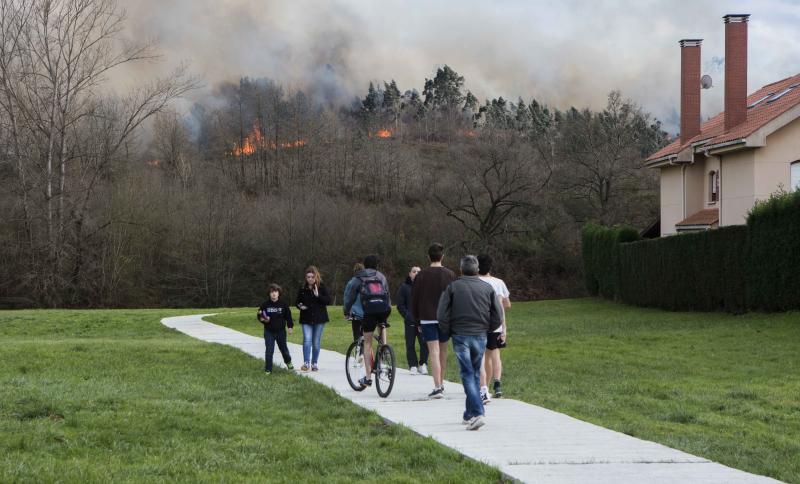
713,131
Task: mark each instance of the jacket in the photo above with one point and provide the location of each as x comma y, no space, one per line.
469,307
355,291
404,302
316,311
356,311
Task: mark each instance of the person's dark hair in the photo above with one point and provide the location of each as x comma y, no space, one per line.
436,252
469,265
274,287
484,264
371,261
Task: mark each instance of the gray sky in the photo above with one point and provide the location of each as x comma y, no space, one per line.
565,53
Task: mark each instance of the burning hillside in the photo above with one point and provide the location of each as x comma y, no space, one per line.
256,141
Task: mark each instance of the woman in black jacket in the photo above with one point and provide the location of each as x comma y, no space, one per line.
312,301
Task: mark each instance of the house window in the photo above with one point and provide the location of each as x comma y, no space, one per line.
713,186
795,179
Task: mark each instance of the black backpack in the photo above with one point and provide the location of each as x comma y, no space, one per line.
374,298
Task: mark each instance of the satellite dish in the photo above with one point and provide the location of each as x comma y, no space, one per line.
705,82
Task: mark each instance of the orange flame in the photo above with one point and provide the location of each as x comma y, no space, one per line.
255,140
384,133
469,133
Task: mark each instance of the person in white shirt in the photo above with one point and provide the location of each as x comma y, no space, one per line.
492,365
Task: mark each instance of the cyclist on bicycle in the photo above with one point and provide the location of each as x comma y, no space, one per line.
371,290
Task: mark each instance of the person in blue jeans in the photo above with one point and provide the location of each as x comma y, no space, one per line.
468,309
312,301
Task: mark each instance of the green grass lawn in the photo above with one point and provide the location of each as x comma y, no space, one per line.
719,386
99,396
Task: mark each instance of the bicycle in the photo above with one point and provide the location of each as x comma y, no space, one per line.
384,368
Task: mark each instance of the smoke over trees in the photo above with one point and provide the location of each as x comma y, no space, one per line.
123,201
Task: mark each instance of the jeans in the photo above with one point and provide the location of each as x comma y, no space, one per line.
312,336
469,353
269,340
412,336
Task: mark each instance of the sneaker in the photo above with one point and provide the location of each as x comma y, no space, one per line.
423,369
314,367
475,423
267,372
485,397
465,422
305,367
289,366
498,389
364,382
437,393
413,370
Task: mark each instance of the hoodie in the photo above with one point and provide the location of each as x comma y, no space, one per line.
279,315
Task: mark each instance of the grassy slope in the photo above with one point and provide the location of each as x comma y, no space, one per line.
719,386
113,395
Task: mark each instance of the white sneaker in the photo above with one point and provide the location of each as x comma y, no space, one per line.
475,423
413,370
485,397
423,369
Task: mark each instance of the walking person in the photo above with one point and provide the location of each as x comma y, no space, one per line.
425,293
356,313
275,315
312,301
492,366
372,292
412,331
468,310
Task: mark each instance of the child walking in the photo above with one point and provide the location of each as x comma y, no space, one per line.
275,315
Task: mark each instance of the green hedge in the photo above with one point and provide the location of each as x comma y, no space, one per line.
699,271
600,247
735,269
773,263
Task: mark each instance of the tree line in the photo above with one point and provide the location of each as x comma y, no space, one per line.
122,201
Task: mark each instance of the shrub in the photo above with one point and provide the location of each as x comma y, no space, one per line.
738,268
773,260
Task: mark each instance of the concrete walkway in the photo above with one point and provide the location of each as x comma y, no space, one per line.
526,442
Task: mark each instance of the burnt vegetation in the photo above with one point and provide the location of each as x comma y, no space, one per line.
122,201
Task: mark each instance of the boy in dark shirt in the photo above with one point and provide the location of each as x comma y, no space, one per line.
275,315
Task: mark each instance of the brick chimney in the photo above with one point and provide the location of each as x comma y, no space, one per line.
735,69
690,88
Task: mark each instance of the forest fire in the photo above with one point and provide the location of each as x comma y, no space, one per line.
255,141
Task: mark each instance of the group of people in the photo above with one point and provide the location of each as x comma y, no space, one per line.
436,306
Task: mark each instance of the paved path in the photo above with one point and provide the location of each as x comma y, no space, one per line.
524,441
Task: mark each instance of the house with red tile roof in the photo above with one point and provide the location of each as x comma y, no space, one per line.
715,171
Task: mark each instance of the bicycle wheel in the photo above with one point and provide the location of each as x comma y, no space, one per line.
354,366
385,370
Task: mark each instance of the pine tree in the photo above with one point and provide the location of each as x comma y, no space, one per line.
470,103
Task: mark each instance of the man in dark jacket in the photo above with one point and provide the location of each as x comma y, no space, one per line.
412,332
376,304
468,310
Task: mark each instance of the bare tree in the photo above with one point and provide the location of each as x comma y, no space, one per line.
601,157
54,59
496,175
